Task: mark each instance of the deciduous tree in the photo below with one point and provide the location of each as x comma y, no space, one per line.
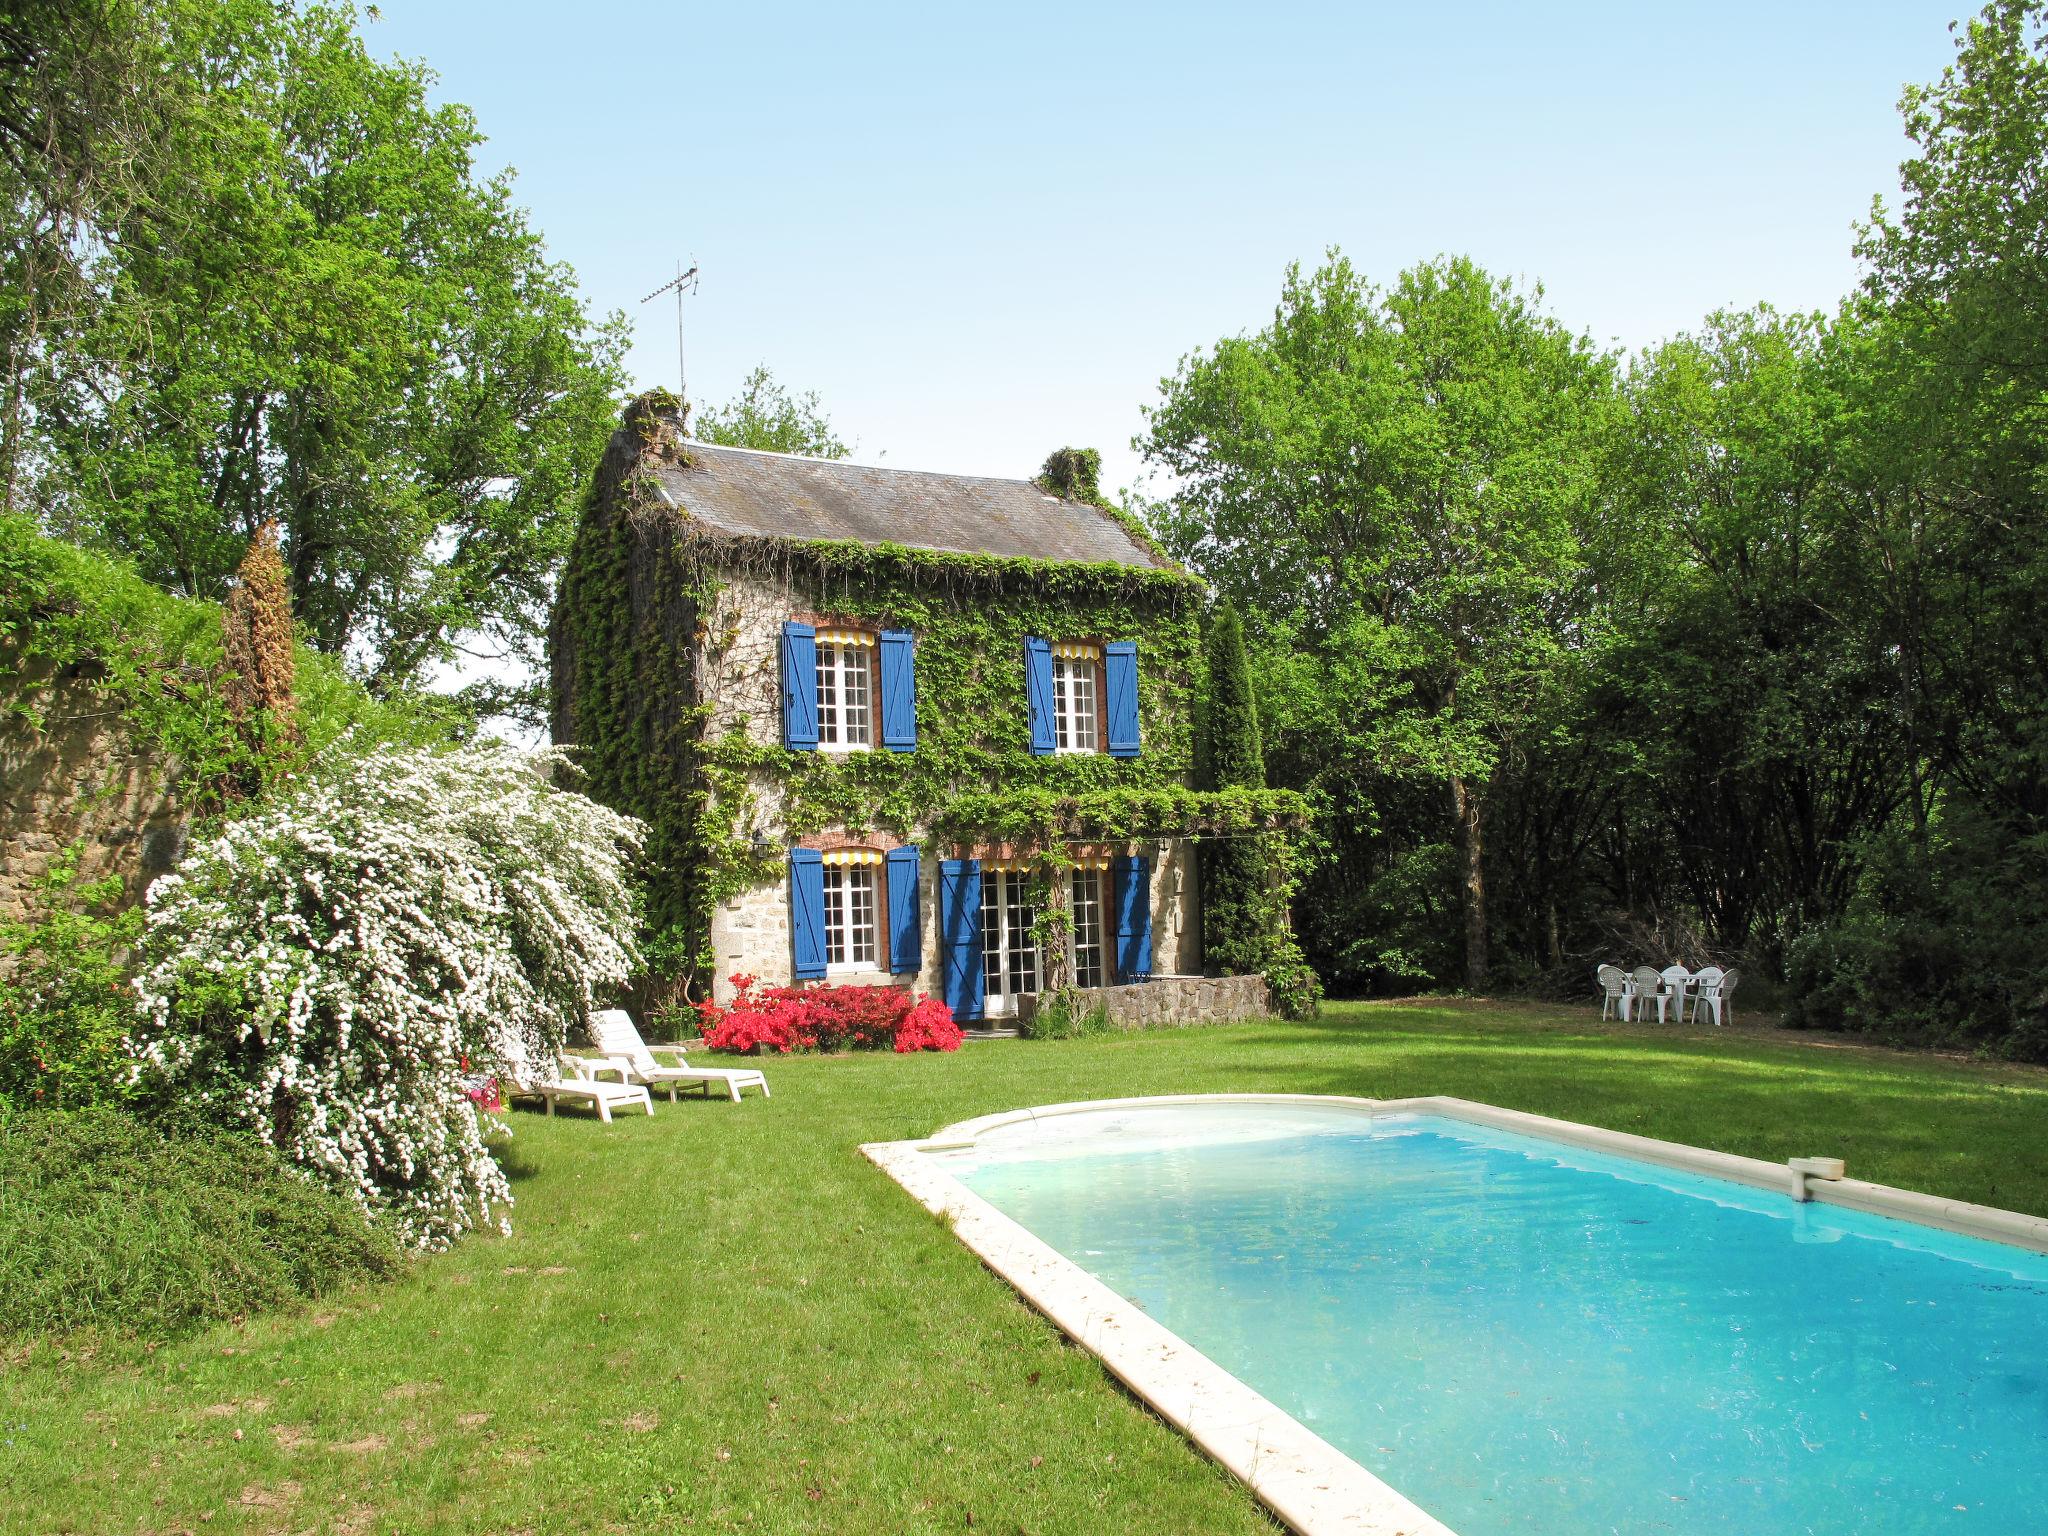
1407,477
309,306
768,415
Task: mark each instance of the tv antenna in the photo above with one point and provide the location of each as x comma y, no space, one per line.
682,283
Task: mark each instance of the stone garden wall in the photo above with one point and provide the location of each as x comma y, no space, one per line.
1173,1002
70,772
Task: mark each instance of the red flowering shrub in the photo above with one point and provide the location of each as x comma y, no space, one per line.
928,1026
826,1018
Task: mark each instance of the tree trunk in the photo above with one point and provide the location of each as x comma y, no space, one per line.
1471,847
18,356
1056,950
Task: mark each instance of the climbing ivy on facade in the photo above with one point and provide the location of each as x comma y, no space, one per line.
672,647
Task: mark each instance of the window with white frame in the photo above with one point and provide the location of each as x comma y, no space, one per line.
1009,954
845,689
852,939
1086,913
1076,669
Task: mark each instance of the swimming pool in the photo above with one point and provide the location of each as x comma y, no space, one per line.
1535,1333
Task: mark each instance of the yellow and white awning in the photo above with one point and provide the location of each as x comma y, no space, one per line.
1077,650
846,637
853,856
1022,866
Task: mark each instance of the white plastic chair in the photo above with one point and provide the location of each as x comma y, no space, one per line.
1646,985
1676,979
1706,976
613,1032
577,1080
1716,996
1613,983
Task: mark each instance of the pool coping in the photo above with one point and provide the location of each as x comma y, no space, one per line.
1310,1485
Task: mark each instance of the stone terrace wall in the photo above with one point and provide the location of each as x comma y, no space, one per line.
1173,1002
79,778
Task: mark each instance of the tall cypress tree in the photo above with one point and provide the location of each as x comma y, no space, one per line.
1239,925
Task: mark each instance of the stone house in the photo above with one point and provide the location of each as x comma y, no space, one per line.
884,725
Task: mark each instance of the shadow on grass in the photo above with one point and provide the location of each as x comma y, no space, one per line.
518,1166
1543,1031
1648,1065
515,1154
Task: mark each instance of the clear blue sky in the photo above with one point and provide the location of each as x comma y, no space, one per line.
982,233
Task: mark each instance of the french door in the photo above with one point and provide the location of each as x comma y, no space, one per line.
1089,901
1009,953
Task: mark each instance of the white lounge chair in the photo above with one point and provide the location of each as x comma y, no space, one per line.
612,1032
576,1079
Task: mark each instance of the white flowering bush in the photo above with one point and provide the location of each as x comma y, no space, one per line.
328,969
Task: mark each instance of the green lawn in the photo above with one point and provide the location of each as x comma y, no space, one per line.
725,1319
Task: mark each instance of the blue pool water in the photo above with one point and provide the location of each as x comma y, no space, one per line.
1525,1337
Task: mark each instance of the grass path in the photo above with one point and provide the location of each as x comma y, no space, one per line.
724,1319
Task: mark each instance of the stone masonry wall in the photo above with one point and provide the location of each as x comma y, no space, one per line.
1173,1002
70,772
1176,934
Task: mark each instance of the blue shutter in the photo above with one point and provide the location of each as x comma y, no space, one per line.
1120,682
806,913
1038,694
960,936
899,691
1133,919
906,931
799,686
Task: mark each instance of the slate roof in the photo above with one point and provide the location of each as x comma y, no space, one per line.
779,495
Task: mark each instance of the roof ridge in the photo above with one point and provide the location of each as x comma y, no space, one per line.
887,469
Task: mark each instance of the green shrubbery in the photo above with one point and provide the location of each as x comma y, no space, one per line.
115,1224
1944,944
1065,1015
110,1222
158,660
1292,983
113,1219
65,1006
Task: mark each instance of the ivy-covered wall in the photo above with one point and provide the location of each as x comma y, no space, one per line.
972,733
119,718
666,676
